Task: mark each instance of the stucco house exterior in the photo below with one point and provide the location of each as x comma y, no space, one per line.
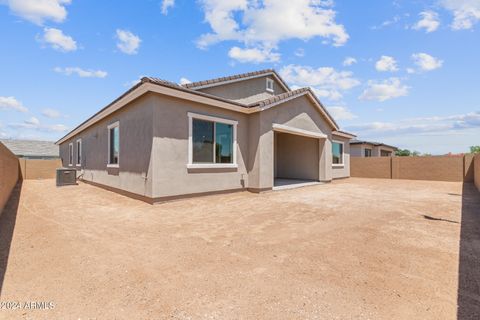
160,140
366,149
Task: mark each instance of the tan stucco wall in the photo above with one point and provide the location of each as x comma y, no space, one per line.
39,168
469,168
136,127
342,171
9,174
298,113
154,147
244,89
477,171
170,151
296,157
358,150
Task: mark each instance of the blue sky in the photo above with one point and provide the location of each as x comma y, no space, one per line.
402,72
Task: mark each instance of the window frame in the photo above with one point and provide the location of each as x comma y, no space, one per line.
70,154
109,128
190,163
343,154
79,146
269,80
365,155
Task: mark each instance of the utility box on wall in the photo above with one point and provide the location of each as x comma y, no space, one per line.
66,177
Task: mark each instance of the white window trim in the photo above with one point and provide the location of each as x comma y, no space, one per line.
343,154
111,126
78,144
190,164
70,154
269,80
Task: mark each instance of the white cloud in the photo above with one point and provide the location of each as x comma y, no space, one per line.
39,11
262,24
341,113
300,52
440,124
466,13
387,23
426,62
386,63
10,103
58,40
128,42
35,124
51,113
325,81
430,21
385,90
167,4
349,61
184,80
254,55
81,72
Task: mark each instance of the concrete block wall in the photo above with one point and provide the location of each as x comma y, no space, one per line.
39,169
447,168
9,174
477,171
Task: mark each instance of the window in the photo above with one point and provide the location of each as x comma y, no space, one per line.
79,152
368,153
269,85
337,153
385,153
212,142
70,154
113,144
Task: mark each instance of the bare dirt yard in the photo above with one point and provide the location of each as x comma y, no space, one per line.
352,249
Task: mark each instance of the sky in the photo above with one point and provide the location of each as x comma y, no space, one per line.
406,73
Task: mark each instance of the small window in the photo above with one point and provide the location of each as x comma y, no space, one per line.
212,141
114,144
385,153
368,153
70,154
269,85
337,153
79,152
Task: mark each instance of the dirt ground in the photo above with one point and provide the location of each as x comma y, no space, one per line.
352,249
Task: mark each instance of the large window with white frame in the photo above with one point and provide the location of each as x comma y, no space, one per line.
338,153
368,152
212,142
79,152
70,154
114,144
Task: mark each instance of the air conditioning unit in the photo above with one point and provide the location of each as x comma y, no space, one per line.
66,177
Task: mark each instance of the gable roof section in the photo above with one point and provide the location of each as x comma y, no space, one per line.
290,95
236,78
156,85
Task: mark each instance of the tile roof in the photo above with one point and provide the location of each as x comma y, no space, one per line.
196,84
32,148
279,97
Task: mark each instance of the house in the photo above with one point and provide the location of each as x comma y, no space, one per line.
365,149
160,140
32,149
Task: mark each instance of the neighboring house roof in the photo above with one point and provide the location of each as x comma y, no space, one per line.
376,144
344,134
234,78
31,148
151,84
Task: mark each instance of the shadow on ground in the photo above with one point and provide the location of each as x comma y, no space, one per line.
469,262
7,224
